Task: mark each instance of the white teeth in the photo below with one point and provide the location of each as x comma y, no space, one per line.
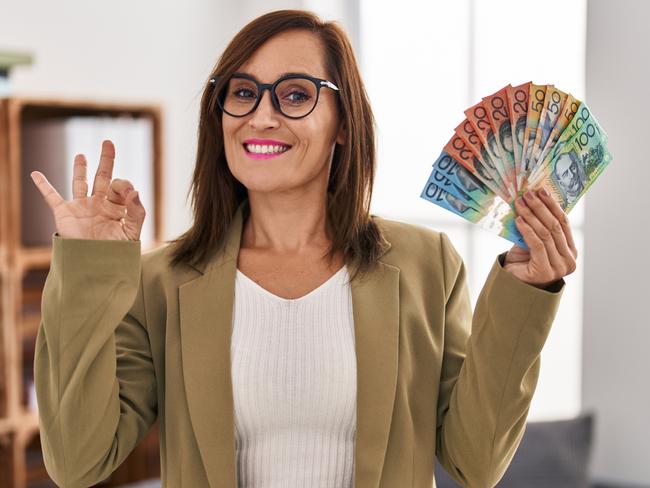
255,148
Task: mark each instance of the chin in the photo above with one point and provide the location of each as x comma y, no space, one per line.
261,183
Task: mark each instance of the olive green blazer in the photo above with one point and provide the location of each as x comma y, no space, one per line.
125,339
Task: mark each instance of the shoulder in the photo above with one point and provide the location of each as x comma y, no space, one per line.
408,239
155,258
415,245
156,266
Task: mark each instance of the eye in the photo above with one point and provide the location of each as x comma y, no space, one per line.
238,92
300,96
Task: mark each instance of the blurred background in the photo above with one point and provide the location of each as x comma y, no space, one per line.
423,63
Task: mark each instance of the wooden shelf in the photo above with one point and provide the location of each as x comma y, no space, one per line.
7,425
29,326
26,422
34,258
23,270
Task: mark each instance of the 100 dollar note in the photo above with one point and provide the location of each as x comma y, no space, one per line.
582,117
576,166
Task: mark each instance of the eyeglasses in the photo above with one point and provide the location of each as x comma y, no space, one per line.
293,95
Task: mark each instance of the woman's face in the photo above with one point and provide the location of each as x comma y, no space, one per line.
312,138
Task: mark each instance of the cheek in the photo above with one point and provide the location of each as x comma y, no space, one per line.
228,130
231,146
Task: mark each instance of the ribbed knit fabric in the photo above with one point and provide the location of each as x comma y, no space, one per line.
294,385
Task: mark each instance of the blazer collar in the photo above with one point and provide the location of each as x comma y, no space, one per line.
233,241
206,304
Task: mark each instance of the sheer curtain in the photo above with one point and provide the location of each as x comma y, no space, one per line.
423,64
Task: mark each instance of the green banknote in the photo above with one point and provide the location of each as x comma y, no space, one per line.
582,117
576,166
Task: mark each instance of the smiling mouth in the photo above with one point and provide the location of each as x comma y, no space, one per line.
265,155
288,146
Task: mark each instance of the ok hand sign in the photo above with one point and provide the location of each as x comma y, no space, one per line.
112,212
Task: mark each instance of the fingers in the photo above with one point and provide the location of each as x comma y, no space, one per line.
127,208
52,197
538,253
118,190
79,177
549,230
113,210
553,259
559,214
105,169
549,222
114,204
135,214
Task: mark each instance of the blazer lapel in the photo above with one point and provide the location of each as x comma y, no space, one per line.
375,304
205,305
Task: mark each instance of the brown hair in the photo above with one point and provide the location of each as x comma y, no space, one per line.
216,194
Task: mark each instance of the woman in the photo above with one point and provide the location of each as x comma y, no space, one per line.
288,338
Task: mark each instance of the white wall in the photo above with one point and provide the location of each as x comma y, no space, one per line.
616,359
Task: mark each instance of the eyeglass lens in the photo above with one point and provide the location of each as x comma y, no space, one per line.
297,96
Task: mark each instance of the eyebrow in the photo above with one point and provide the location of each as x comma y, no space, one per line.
301,73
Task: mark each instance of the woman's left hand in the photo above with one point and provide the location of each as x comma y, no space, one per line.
545,228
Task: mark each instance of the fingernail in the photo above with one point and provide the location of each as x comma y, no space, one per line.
128,190
521,201
544,192
529,195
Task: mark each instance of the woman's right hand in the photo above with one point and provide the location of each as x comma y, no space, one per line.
112,212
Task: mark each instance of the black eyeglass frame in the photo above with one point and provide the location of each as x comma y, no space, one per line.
271,88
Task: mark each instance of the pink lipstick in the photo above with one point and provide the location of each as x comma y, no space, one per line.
263,142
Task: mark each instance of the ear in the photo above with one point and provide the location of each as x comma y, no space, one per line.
342,135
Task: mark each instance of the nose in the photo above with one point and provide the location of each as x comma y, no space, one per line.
265,114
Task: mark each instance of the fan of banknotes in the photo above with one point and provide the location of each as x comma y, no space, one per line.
519,138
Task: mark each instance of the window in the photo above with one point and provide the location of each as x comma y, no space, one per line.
454,54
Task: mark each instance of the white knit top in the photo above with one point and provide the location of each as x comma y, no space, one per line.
294,385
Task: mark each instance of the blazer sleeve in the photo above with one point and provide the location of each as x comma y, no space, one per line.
93,371
491,364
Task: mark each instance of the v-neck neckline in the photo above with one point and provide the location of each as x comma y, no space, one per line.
315,291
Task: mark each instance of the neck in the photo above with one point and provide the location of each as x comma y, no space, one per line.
286,225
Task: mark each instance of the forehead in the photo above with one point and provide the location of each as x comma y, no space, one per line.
294,51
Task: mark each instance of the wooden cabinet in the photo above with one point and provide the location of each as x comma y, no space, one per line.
24,267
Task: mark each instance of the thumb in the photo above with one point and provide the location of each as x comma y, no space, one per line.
135,214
